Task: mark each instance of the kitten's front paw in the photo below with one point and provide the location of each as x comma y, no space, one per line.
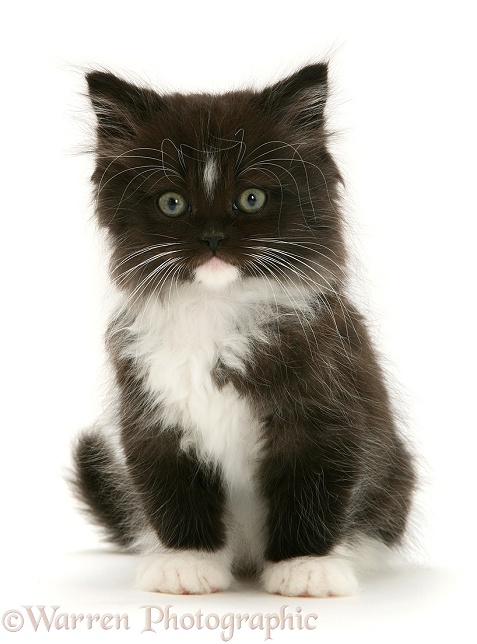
311,577
184,574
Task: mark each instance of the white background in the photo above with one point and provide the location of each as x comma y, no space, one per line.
403,78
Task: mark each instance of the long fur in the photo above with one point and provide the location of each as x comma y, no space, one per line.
253,429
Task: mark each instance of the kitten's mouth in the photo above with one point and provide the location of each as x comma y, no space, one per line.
216,273
214,263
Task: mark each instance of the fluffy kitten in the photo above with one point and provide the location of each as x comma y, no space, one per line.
252,429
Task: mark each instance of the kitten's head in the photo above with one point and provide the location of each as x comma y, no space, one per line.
216,189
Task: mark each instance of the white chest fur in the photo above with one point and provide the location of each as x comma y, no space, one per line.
176,345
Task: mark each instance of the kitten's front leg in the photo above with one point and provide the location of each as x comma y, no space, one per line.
184,503
325,576
185,572
307,487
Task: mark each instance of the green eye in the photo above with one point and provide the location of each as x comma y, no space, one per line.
172,204
251,200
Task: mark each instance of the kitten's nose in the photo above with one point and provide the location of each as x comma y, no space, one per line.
213,240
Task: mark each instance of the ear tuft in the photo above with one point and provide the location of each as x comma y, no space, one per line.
118,105
300,99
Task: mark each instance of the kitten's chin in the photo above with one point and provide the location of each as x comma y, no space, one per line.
216,274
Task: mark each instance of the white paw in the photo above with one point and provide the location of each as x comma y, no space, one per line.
184,573
311,577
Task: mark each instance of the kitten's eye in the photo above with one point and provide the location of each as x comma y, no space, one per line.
172,204
251,200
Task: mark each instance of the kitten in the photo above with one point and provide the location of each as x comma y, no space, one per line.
252,431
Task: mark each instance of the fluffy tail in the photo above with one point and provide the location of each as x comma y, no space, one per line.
100,483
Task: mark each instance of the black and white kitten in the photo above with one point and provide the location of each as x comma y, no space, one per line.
252,429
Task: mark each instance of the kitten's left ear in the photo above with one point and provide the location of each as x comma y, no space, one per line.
118,104
299,99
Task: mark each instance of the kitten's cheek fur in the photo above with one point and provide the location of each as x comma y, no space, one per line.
216,274
327,576
184,573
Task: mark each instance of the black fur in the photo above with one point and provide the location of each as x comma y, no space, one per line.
332,465
103,489
183,498
330,435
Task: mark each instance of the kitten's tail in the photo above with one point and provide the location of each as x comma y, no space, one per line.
100,483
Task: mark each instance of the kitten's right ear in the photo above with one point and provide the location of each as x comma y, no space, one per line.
119,106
